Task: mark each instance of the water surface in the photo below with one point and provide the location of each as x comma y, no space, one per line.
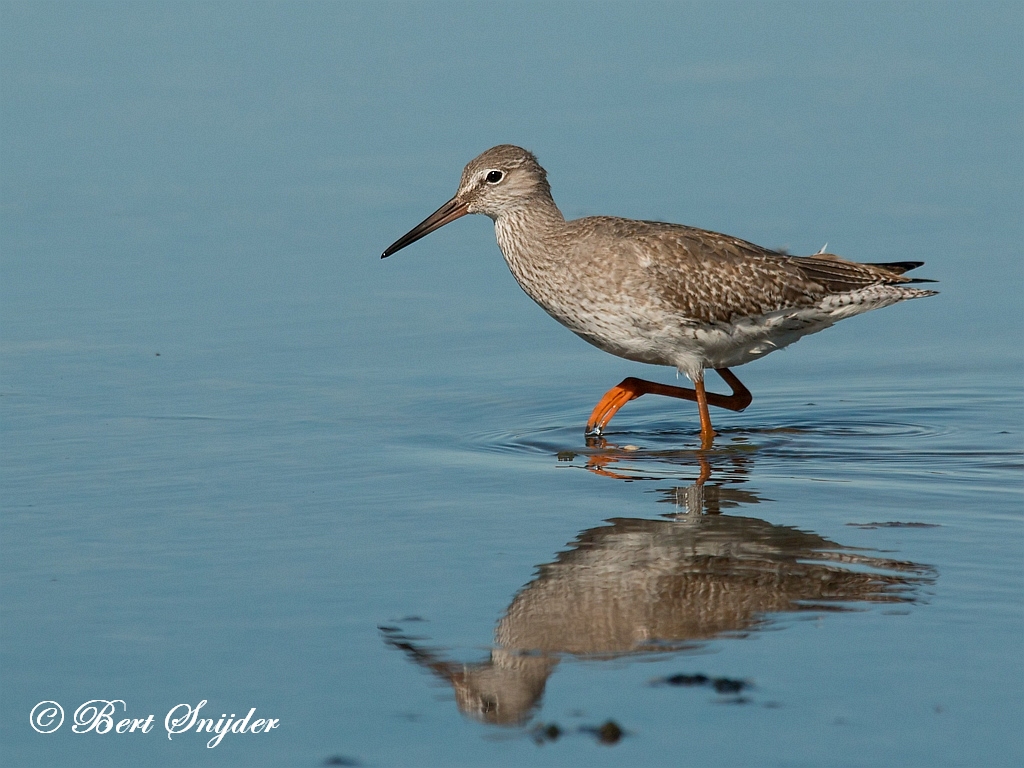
245,461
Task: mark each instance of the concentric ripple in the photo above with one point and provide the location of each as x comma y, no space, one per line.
656,448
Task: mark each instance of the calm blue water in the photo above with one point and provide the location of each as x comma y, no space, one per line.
245,461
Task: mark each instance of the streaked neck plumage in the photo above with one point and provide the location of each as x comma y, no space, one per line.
529,238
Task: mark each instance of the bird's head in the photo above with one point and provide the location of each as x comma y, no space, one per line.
502,179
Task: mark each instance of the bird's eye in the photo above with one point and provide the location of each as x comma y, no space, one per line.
493,177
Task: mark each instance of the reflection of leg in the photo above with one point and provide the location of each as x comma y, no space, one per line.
692,497
705,470
632,388
599,463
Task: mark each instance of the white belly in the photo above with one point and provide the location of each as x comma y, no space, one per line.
661,337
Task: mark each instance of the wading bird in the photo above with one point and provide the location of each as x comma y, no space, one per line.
660,293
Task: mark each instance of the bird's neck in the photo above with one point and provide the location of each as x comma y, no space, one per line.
528,238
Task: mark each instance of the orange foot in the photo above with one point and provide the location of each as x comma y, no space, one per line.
632,388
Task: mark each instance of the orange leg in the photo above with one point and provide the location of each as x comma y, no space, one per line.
707,434
632,388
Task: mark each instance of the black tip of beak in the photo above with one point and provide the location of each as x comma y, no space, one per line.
448,212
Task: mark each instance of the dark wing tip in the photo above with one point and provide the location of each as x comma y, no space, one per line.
899,267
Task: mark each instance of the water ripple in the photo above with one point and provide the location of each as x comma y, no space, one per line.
649,448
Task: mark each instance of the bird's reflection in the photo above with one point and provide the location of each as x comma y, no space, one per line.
639,586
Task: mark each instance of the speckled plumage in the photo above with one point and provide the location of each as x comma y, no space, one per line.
654,292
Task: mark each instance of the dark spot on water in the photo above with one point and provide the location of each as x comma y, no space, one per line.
410,618
686,680
871,526
544,733
566,455
341,760
158,354
608,733
388,630
725,685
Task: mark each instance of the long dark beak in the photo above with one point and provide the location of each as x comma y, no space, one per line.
450,211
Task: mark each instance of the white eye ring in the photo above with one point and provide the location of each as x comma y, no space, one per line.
493,177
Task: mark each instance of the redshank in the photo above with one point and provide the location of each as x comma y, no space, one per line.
660,293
